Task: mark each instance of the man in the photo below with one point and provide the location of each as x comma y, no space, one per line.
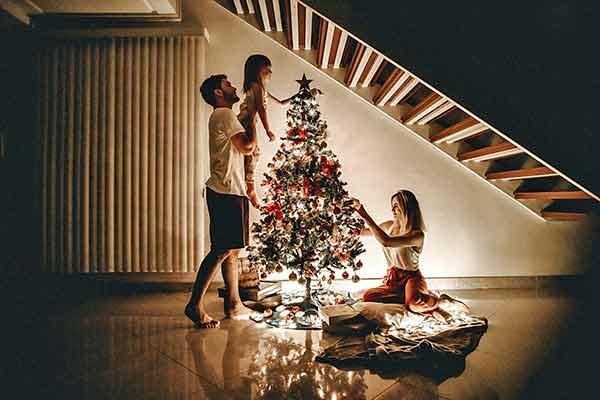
228,206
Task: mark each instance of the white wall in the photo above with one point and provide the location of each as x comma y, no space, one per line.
473,230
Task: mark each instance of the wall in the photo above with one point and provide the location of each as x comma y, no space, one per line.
472,229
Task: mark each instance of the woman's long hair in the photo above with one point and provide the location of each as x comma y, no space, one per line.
252,68
411,208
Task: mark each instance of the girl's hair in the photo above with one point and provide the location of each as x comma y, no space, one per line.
411,208
252,67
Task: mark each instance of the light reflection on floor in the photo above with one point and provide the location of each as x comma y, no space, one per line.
141,347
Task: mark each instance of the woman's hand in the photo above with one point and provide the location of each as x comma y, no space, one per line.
315,92
271,135
357,205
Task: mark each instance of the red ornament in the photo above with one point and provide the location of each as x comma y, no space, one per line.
308,273
359,264
332,276
263,275
344,257
279,268
275,209
336,210
345,275
293,276
302,134
306,188
292,188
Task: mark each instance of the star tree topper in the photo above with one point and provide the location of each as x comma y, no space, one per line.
304,83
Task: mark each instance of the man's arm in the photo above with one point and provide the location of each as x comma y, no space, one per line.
245,142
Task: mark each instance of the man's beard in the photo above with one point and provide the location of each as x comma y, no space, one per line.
233,98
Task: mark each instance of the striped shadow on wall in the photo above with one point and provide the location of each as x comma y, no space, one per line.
122,154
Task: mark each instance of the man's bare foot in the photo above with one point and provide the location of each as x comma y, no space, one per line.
253,197
200,319
239,312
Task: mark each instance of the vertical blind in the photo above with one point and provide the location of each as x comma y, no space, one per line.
122,154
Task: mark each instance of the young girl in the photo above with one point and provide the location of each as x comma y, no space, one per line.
257,75
402,240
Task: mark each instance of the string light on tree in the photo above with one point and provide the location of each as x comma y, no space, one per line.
307,224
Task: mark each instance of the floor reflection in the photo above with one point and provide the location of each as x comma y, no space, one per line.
143,347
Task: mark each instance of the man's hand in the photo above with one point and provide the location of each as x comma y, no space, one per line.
315,92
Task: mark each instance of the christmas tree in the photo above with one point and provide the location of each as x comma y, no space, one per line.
307,225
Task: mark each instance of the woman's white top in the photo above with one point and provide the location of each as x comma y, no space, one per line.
406,258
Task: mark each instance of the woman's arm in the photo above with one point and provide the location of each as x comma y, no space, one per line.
384,225
410,240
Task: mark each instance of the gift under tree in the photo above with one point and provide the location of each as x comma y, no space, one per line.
307,225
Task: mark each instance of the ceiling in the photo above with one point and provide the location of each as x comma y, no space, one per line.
106,6
22,10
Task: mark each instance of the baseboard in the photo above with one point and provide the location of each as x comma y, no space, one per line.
179,281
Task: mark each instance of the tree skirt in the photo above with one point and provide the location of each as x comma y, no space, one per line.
292,313
405,339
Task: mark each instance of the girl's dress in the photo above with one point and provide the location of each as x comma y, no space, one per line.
402,268
248,121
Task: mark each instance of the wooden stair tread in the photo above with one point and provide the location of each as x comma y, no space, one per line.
525,173
563,215
469,123
429,103
553,195
491,152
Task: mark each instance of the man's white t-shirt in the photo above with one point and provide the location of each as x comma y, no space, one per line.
226,161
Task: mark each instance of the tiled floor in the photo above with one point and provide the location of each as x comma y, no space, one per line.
141,347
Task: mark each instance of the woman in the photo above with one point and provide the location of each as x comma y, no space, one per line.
402,240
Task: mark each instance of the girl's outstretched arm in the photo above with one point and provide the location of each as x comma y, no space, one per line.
286,102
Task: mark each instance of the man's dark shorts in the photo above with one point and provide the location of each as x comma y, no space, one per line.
229,220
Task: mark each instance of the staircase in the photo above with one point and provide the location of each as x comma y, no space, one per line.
490,154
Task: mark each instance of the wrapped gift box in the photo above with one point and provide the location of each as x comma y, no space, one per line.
258,293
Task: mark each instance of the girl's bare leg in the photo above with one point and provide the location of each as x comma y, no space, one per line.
249,167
